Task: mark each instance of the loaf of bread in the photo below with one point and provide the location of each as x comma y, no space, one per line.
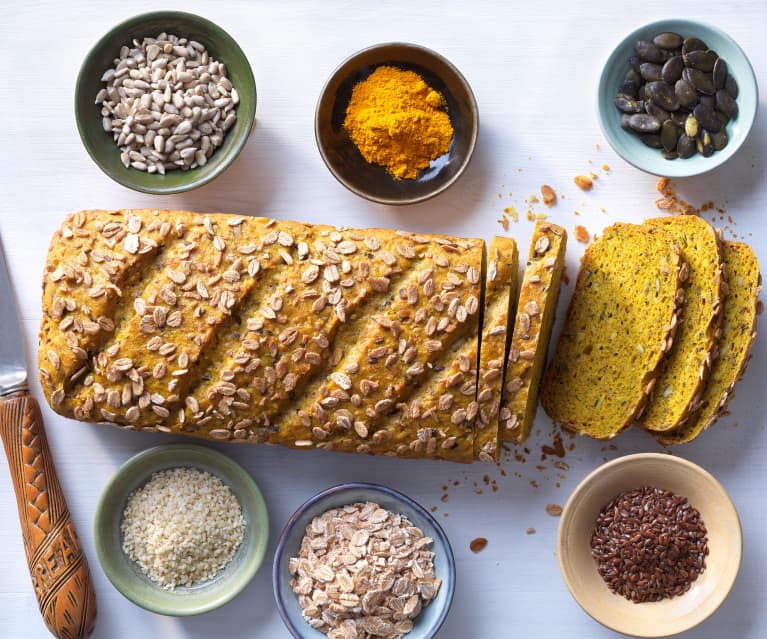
500,298
683,372
620,322
536,310
247,329
738,332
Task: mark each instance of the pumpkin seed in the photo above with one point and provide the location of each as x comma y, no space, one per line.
657,112
719,139
668,40
672,69
726,104
633,76
706,116
693,44
705,144
649,52
643,123
663,95
723,119
651,71
702,60
686,147
652,140
686,93
629,89
669,134
629,106
691,126
699,79
719,74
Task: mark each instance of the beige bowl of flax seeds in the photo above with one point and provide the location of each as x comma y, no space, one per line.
649,545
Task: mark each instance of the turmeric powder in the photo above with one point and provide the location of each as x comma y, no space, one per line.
398,121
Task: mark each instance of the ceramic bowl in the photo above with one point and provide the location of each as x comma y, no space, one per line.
128,578
428,623
670,616
629,146
101,145
372,181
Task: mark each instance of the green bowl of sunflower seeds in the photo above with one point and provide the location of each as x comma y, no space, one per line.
165,102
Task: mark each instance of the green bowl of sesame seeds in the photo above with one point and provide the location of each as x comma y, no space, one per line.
165,95
181,529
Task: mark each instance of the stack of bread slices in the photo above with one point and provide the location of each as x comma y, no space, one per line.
658,331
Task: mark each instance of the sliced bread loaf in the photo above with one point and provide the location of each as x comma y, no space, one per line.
619,324
536,310
500,294
738,329
683,372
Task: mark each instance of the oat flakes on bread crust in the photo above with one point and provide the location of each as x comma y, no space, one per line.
246,329
740,310
619,324
536,310
500,300
684,370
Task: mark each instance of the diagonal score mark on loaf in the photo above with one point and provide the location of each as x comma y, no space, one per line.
286,333
391,352
110,275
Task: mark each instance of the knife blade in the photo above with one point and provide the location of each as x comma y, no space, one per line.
60,575
13,367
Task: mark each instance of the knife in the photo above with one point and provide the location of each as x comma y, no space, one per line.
59,569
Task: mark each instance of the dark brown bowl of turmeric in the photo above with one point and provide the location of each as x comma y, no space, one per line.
396,123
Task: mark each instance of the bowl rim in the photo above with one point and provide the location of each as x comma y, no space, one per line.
231,469
574,501
238,144
390,492
713,162
472,140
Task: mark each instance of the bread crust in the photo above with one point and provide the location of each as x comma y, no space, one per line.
247,329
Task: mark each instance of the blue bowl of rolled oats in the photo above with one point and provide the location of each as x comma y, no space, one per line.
363,560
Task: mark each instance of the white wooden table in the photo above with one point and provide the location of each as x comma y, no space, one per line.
533,67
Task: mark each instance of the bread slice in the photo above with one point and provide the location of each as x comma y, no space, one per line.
740,308
536,310
683,372
500,295
619,325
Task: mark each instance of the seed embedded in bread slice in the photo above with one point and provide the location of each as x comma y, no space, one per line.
683,372
536,310
500,296
740,308
619,324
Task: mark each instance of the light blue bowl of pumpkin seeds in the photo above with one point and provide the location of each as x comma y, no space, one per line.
651,160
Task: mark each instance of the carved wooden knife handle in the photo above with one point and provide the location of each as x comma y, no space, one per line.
59,569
